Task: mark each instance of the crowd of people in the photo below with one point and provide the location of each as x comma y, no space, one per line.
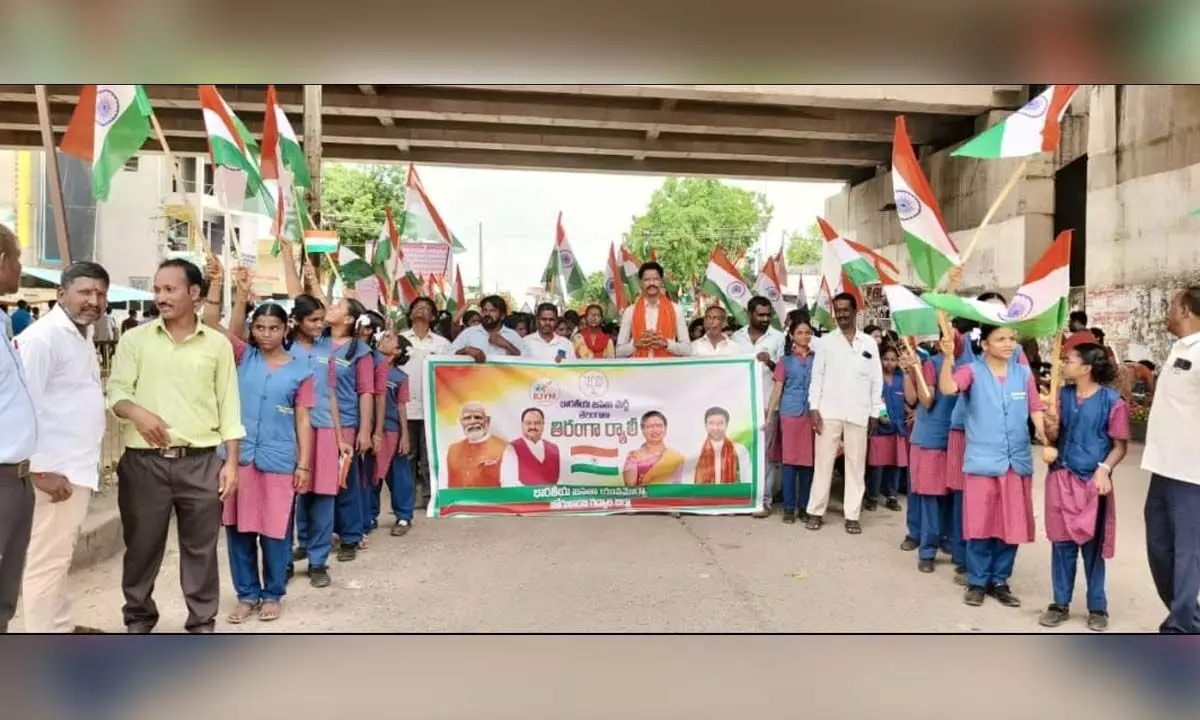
283,427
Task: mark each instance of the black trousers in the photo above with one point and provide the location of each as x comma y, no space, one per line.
1172,516
16,524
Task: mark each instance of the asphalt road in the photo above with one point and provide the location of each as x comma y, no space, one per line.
656,574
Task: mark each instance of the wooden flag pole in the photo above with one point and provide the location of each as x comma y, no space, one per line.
987,218
1050,454
910,347
56,193
195,238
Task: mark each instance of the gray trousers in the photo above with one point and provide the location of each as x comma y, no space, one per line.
149,487
16,523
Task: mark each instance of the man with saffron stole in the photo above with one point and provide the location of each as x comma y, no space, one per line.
653,463
653,327
474,461
592,343
722,461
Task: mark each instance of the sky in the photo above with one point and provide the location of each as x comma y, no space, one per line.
518,208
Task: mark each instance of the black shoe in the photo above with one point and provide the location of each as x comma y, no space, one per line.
1004,596
925,566
401,528
347,552
871,504
973,596
1054,616
203,629
319,577
299,554
892,504
944,548
960,576
909,544
789,517
802,516
139,628
1097,621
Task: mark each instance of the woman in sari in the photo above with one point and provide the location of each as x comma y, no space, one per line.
592,343
654,462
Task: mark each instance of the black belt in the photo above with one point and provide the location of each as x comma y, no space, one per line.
173,453
18,470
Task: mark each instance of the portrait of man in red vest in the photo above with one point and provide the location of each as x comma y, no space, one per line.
529,460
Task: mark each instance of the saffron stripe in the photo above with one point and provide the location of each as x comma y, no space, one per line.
593,450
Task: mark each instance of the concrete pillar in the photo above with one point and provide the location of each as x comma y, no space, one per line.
312,146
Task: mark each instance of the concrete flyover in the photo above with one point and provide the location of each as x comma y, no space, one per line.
800,132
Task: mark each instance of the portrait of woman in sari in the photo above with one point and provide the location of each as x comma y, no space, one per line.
654,462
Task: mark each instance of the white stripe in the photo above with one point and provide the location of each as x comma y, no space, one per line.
900,299
285,127
215,127
1022,133
1044,294
723,280
125,95
925,225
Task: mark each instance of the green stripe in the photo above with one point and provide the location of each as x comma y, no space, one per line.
736,311
591,469
860,272
227,154
984,145
500,496
1048,323
929,264
125,138
294,160
922,321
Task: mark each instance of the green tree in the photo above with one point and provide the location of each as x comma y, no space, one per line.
688,217
354,197
593,292
804,248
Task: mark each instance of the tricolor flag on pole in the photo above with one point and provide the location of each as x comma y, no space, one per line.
458,299
724,282
933,252
822,309
854,266
568,268
284,168
911,316
767,285
1033,129
1039,308
110,124
614,283
629,272
408,285
231,146
422,222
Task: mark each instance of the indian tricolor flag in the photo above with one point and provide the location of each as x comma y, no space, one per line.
933,252
568,266
109,126
422,222
822,309
724,282
458,299
911,317
1033,129
1039,308
629,272
230,144
614,282
594,460
854,266
283,168
768,285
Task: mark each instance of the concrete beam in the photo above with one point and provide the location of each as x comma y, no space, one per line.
424,103
942,99
367,132
517,160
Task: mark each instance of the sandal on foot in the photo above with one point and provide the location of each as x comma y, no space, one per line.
242,612
853,527
270,610
814,522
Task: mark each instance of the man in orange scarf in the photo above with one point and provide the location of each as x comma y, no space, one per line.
653,327
722,461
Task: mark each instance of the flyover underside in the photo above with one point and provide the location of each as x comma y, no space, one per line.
787,132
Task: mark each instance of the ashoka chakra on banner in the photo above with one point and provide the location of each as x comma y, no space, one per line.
907,205
108,107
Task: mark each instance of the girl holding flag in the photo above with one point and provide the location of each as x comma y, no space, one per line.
1001,398
927,456
1091,427
392,464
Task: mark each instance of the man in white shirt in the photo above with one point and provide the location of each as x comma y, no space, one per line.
653,326
765,343
18,439
490,338
64,382
846,397
423,343
714,343
530,460
1172,455
545,344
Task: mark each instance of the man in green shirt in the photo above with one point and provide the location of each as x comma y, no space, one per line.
174,382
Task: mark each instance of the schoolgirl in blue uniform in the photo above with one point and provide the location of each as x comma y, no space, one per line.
927,458
793,374
887,448
394,467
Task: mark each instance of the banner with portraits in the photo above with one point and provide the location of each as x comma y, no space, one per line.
519,437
